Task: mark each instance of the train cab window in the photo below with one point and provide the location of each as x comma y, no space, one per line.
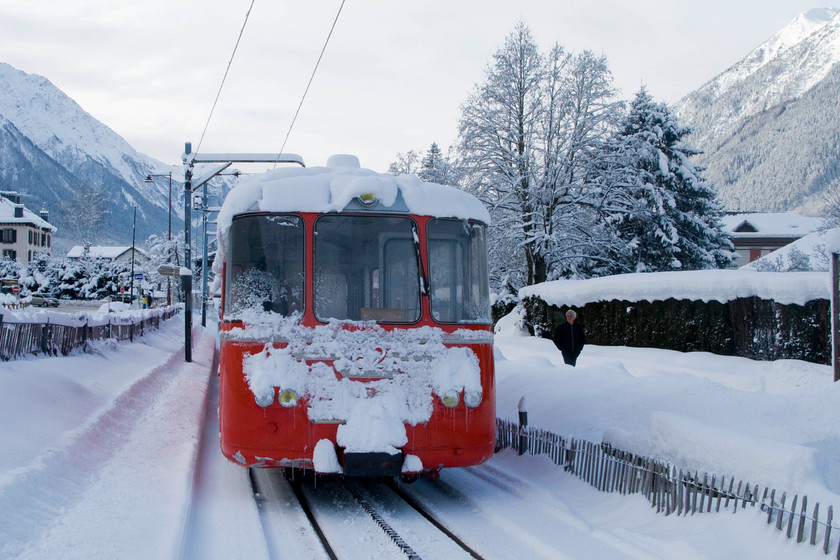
366,269
265,271
458,276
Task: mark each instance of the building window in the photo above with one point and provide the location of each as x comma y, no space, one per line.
9,254
8,235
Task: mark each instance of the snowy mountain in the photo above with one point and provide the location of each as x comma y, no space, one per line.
770,124
49,145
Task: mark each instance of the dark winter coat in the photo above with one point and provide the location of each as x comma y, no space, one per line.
569,339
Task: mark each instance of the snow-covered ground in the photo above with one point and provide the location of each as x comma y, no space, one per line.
100,451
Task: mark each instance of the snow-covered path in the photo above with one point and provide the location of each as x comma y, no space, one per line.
115,455
117,481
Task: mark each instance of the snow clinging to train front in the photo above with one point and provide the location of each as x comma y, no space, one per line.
404,371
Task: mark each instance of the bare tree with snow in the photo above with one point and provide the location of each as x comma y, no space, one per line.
526,139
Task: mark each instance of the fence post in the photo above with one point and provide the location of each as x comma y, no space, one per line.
44,334
801,532
523,424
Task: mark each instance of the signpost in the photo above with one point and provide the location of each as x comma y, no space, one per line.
185,275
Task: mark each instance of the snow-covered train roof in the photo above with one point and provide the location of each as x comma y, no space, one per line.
335,187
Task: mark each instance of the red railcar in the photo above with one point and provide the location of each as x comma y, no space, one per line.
355,334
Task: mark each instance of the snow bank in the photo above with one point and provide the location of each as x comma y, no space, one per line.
113,312
700,285
769,423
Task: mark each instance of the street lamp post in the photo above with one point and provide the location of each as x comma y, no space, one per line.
169,232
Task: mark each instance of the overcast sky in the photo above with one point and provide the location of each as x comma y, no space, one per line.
392,79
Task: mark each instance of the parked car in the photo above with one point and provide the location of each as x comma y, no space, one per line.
41,299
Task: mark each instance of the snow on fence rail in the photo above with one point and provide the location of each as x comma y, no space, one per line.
19,338
670,490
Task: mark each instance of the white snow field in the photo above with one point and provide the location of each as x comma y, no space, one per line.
115,455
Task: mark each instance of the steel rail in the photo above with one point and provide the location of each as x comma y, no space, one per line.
418,507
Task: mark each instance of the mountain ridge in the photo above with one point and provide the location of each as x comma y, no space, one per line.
737,119
65,146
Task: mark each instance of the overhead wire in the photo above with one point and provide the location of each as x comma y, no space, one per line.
227,70
311,77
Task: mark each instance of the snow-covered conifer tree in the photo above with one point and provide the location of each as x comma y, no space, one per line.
672,220
436,167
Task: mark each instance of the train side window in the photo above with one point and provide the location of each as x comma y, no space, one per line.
458,276
268,272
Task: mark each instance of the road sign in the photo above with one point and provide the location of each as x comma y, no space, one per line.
138,276
169,270
15,289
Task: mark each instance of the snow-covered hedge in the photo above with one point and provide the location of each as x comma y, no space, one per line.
765,316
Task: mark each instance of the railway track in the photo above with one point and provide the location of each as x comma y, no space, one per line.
350,519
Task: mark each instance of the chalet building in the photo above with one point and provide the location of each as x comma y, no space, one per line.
760,233
22,232
115,254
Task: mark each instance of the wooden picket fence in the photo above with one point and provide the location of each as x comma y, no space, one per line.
22,338
671,490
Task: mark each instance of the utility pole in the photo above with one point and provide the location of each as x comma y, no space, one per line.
204,255
187,256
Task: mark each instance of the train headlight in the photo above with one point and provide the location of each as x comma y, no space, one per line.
472,398
265,399
288,398
367,198
451,399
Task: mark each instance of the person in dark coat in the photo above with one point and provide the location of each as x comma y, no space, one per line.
569,338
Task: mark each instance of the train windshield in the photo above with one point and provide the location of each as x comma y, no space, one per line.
266,270
458,271
366,269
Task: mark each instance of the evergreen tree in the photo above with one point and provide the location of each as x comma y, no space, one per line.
436,167
42,273
671,219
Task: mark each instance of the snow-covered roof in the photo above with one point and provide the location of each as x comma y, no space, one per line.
332,188
812,247
99,252
7,216
770,224
696,285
